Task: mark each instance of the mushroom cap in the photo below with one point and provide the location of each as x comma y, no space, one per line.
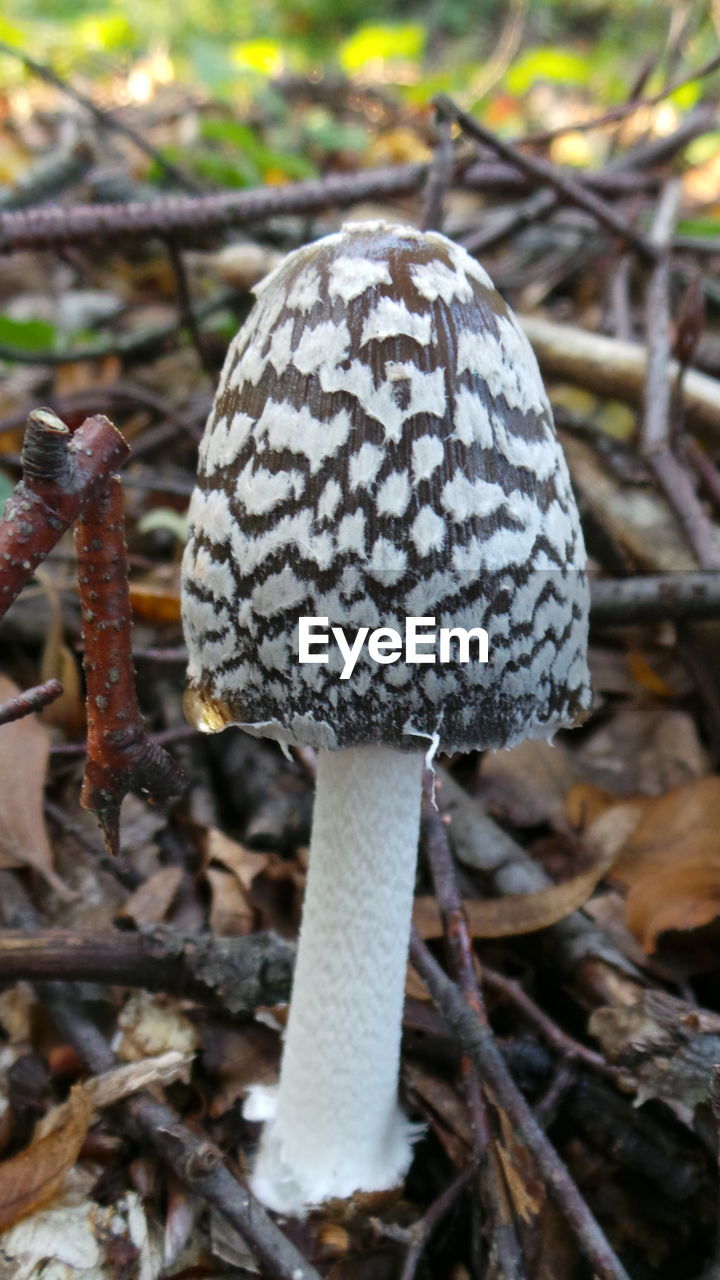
381,446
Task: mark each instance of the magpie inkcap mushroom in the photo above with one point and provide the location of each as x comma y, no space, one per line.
381,447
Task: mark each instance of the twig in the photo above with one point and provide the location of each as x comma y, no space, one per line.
656,420
121,755
626,601
655,427
584,953
192,1158
612,368
542,171
438,180
52,227
502,1238
421,1230
510,221
187,314
705,470
106,119
554,1035
542,137
31,700
478,1043
234,975
60,473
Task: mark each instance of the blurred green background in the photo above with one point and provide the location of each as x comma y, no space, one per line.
223,45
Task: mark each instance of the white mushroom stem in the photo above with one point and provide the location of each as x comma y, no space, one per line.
335,1126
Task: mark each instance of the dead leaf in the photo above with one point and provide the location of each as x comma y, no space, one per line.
243,863
155,603
444,1108
32,1177
231,915
642,748
526,1190
152,1025
670,861
646,676
152,900
527,785
527,912
24,751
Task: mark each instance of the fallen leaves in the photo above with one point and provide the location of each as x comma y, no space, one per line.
24,753
32,1177
670,861
528,912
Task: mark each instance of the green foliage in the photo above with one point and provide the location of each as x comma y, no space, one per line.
556,66
27,335
372,44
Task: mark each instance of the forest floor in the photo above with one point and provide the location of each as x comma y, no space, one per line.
142,993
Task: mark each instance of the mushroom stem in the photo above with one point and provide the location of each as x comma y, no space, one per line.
334,1125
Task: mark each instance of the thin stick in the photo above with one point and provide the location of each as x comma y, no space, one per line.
187,314
232,974
543,171
440,175
656,420
553,1034
191,1157
31,700
54,226
502,1237
424,1227
478,1043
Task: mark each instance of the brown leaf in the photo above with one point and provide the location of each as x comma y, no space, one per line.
24,751
231,915
155,603
671,862
528,912
152,900
526,1190
643,748
32,1177
243,863
444,1108
527,785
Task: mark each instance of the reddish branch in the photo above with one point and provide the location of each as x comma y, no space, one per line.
31,700
60,472
121,756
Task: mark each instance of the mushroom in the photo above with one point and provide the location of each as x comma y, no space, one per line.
381,448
